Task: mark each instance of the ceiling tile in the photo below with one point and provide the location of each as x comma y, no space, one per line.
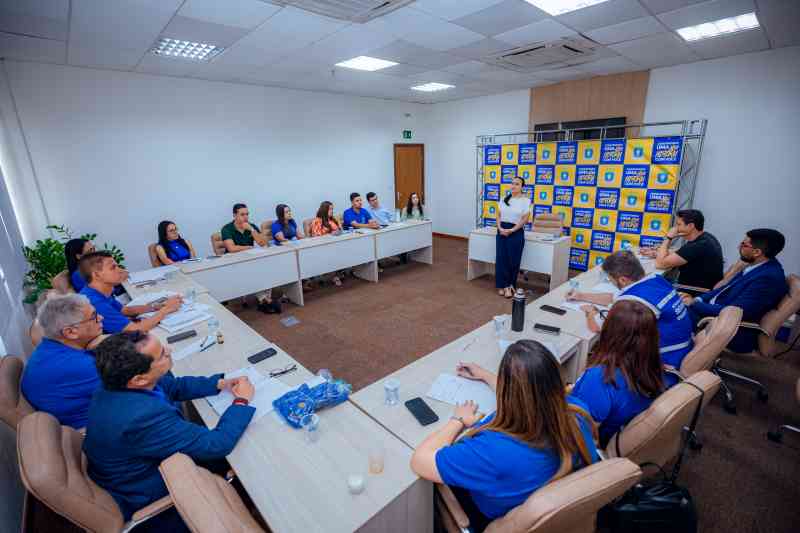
240,13
167,66
605,14
609,65
438,76
198,31
470,68
658,50
502,17
453,9
542,31
479,49
502,75
729,45
781,20
626,31
705,12
104,56
35,18
402,70
662,6
426,30
124,24
32,48
405,52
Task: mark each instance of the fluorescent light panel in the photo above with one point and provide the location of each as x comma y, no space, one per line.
432,87
370,64
725,26
559,7
185,49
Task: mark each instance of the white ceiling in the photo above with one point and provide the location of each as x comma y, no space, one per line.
445,41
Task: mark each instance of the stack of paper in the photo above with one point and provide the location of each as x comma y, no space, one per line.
267,390
194,347
457,390
151,274
144,299
185,318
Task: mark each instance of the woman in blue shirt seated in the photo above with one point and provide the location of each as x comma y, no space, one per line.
171,247
73,251
285,228
624,372
534,437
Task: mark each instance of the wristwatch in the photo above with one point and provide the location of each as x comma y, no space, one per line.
460,419
241,401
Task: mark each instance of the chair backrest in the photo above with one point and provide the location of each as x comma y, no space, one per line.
711,340
570,504
61,283
655,435
266,229
13,405
548,223
773,320
206,502
53,468
307,226
151,252
217,246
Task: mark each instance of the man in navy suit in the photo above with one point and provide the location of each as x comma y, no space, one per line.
135,420
756,289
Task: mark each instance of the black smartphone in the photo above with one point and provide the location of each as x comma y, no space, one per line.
181,336
260,356
421,411
544,328
551,309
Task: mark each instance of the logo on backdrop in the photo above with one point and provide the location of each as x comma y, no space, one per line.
635,176
508,173
541,209
544,174
607,199
491,191
659,201
667,150
527,154
491,155
646,241
562,196
582,217
586,175
567,153
578,259
602,241
612,151
628,222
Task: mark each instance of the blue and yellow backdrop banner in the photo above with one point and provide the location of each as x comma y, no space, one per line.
611,194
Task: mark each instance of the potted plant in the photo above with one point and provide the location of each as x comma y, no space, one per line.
46,259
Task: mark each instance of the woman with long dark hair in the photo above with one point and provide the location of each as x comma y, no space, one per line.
534,437
285,228
171,247
325,223
624,373
513,213
73,251
414,209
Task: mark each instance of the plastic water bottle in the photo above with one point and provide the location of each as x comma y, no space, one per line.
518,311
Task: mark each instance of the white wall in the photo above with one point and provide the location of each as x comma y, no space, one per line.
117,152
749,168
451,155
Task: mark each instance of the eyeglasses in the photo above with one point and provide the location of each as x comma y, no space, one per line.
76,324
281,371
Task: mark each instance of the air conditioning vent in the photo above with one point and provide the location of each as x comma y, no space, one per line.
350,10
539,55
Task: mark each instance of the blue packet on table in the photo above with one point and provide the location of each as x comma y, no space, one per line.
305,400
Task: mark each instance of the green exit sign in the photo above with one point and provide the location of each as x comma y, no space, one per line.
406,134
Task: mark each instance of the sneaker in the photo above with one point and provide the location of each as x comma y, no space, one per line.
270,308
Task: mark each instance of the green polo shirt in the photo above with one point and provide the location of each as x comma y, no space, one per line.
229,231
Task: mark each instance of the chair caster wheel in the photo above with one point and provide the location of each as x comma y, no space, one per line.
775,436
762,395
729,407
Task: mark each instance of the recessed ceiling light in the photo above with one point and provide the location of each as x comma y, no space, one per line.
432,87
367,63
185,49
725,26
559,7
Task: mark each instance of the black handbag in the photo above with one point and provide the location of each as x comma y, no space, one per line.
655,506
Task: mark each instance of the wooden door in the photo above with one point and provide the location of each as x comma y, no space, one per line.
409,172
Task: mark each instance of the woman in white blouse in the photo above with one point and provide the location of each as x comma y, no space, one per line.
513,213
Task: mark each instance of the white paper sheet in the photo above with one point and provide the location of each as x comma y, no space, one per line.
183,319
194,347
144,299
151,274
267,390
455,390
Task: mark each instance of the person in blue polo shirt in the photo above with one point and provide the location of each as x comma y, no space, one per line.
654,292
60,376
102,274
356,216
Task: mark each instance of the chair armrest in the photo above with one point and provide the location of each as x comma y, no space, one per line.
452,505
757,327
153,509
704,321
669,369
690,288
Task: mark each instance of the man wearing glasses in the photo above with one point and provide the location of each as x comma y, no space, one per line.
60,376
756,284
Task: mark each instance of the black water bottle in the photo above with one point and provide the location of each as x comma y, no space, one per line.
518,311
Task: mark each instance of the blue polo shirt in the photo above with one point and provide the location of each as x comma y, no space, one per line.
177,252
612,405
350,216
674,323
108,306
78,283
499,471
289,232
60,380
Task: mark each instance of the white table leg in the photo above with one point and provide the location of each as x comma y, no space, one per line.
423,255
367,271
476,269
294,292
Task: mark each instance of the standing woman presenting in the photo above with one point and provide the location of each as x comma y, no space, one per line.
513,213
